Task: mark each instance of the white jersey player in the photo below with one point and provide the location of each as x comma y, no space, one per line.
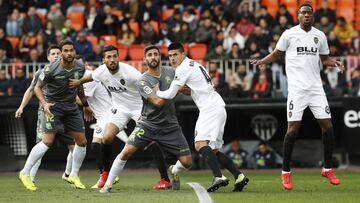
209,127
305,46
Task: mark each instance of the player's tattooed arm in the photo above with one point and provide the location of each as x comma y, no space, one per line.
76,83
273,56
327,61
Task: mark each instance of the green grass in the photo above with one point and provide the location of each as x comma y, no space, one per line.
135,186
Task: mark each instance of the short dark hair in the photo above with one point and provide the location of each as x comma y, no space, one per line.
109,48
150,47
65,42
176,45
306,4
51,47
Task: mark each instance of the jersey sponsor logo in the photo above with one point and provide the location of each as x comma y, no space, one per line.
116,89
316,40
352,119
306,51
98,130
147,89
264,126
113,111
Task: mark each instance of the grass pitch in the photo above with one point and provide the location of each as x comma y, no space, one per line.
136,186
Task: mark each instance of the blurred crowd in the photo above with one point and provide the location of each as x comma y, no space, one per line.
231,29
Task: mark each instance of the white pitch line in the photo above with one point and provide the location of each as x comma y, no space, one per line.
201,193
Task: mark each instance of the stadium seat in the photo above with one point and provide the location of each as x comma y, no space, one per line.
167,13
123,52
109,40
136,52
14,41
77,20
272,6
198,51
291,6
357,16
312,2
134,26
93,39
42,18
331,3
138,65
117,13
346,9
155,26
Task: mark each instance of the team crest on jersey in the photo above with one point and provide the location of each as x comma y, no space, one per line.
98,130
264,126
122,81
327,109
76,75
147,89
168,79
316,40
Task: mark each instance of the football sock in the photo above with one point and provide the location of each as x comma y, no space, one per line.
69,161
36,153
106,152
116,168
178,167
96,148
34,170
159,161
210,158
228,164
288,147
78,157
328,140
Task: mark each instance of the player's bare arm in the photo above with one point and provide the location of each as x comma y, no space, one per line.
155,100
273,56
327,61
76,83
25,100
39,94
88,114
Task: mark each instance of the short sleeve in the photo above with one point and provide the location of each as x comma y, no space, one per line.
36,78
46,75
283,42
96,74
181,75
324,47
89,88
145,89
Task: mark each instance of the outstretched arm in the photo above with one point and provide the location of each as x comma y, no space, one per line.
169,93
76,83
25,100
327,61
273,56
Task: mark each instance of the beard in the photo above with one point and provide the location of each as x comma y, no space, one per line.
154,64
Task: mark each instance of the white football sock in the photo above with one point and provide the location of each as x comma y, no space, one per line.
78,158
36,153
34,170
69,161
115,170
178,167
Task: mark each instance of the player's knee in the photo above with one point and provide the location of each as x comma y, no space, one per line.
199,145
187,163
107,140
292,131
125,155
48,143
327,127
81,142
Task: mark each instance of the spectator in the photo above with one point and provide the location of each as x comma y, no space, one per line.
49,33
97,55
284,12
266,16
264,158
14,24
205,32
5,43
325,25
214,71
34,56
225,26
166,36
90,18
217,54
83,47
3,56
244,11
325,11
125,35
68,30
238,155
266,31
335,47
245,27
77,6
148,11
183,34
219,39
147,34
235,51
253,51
105,23
259,38
59,36
282,26
262,88
5,84
356,42
41,46
19,84
56,17
190,17
343,31
278,72
231,90
244,80
5,9
335,80
32,23
234,37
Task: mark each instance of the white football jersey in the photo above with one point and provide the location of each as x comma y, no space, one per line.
121,85
195,76
302,56
98,98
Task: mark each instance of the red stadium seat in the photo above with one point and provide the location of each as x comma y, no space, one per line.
14,41
134,26
136,52
155,26
93,39
346,9
331,3
291,6
109,40
123,52
77,20
272,6
164,50
167,13
198,51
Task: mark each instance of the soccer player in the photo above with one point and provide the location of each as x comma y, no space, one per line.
304,46
209,127
120,80
59,104
53,53
157,123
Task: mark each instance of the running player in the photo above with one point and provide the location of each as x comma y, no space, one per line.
59,103
304,46
209,127
53,53
158,122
